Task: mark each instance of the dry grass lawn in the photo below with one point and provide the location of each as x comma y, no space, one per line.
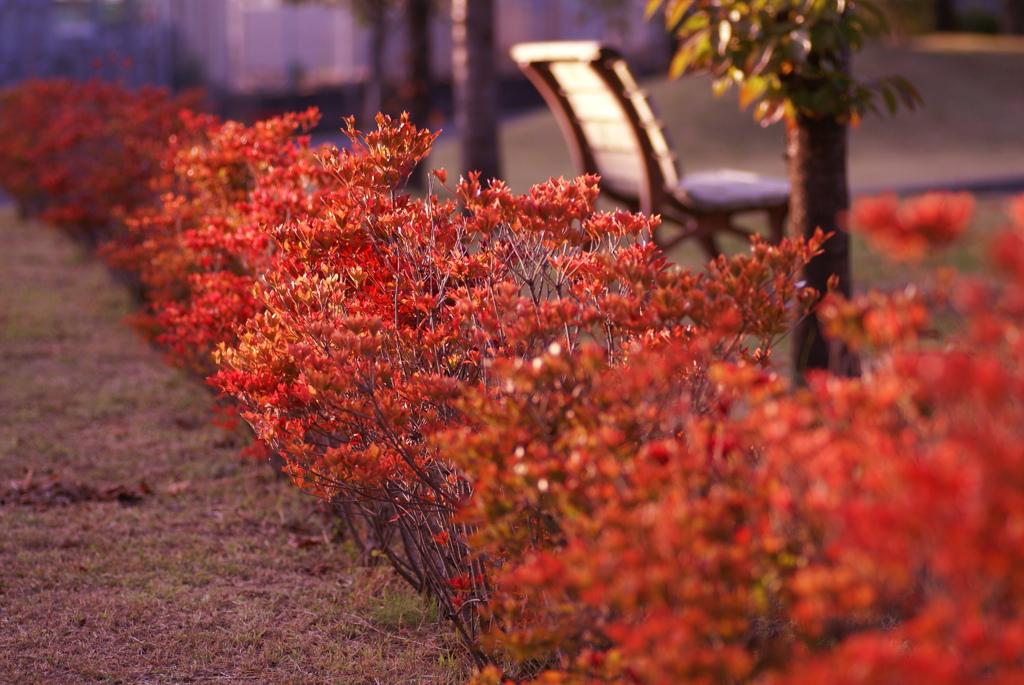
135,547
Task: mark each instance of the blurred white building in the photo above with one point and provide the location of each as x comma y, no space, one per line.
80,39
239,47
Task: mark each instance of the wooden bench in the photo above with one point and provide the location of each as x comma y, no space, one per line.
612,131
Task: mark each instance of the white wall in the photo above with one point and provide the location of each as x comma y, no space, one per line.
264,45
304,46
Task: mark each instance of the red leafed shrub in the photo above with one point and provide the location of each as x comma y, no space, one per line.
384,316
906,232
82,151
913,479
632,535
583,452
201,246
25,115
852,531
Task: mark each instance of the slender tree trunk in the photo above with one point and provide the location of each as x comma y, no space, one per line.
945,16
419,88
816,158
420,74
476,86
1014,11
373,93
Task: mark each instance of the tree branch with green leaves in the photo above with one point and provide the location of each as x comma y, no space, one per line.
785,56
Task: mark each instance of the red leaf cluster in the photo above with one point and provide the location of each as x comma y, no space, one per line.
907,231
386,319
79,152
200,246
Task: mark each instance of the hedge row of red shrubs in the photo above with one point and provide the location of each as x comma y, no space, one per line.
80,152
587,455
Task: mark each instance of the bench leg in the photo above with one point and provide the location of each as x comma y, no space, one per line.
777,222
700,227
709,242
705,228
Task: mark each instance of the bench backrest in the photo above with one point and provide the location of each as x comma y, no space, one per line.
605,117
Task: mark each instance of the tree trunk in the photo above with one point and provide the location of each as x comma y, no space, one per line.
816,159
945,16
419,87
373,92
1014,11
420,74
476,86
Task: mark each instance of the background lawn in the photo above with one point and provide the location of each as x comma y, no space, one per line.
969,133
970,127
